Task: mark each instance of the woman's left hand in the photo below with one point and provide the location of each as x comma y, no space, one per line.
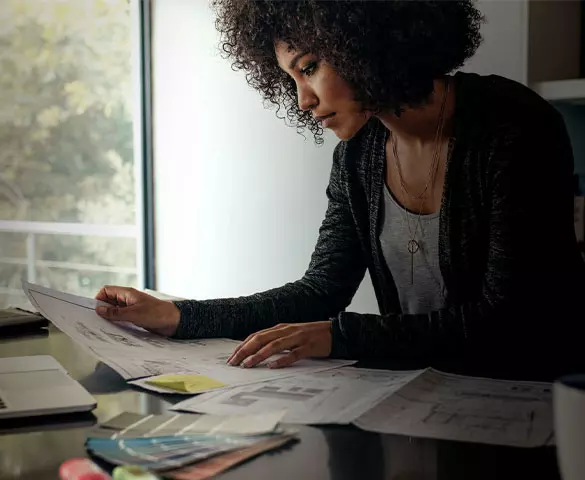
301,339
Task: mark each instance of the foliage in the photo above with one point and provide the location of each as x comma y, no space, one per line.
66,130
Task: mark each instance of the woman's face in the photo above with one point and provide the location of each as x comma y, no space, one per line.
322,91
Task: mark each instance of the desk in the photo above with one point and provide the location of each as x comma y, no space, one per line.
322,453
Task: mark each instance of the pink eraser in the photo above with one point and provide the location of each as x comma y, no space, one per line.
81,469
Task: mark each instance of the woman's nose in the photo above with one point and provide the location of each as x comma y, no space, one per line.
306,98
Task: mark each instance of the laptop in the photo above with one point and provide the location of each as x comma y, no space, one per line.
16,317
39,385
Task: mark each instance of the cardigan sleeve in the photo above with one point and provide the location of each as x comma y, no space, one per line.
531,255
331,280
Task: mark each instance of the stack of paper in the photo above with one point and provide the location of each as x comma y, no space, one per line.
171,442
424,403
335,396
135,353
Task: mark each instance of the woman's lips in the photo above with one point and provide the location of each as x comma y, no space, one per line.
326,119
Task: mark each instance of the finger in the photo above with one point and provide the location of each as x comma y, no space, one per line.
107,294
262,333
293,356
255,343
274,347
114,295
122,314
239,347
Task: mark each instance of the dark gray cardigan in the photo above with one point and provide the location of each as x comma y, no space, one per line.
508,253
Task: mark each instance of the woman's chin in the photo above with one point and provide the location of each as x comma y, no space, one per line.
344,133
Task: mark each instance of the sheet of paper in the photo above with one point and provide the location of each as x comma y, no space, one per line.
185,383
452,407
135,353
334,396
231,376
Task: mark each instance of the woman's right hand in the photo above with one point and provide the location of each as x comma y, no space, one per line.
130,305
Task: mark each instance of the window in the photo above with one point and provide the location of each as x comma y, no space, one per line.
70,146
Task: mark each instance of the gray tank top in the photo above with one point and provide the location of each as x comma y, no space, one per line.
426,292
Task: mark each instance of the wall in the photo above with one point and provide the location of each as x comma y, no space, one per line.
504,49
239,196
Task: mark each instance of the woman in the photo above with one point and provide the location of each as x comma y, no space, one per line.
455,192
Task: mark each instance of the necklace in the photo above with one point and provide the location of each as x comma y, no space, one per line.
413,246
436,153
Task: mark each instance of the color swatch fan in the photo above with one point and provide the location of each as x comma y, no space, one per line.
169,442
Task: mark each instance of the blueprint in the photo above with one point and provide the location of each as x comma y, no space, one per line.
423,403
334,396
469,409
134,353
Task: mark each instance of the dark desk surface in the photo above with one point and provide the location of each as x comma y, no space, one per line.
35,452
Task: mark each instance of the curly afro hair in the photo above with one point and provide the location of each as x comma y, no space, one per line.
390,51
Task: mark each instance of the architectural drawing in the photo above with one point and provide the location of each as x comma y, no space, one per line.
423,403
332,396
153,341
440,405
293,393
120,339
135,353
154,367
375,376
91,335
466,418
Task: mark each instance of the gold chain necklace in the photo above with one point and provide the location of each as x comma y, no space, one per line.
436,156
413,246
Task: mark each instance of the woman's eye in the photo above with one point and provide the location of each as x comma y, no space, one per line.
309,69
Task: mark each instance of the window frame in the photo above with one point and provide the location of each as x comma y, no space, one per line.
145,194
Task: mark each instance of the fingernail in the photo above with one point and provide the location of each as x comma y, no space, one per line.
101,310
272,365
247,364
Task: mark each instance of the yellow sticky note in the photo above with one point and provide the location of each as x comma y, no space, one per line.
185,383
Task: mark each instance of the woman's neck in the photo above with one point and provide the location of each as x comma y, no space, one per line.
418,126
